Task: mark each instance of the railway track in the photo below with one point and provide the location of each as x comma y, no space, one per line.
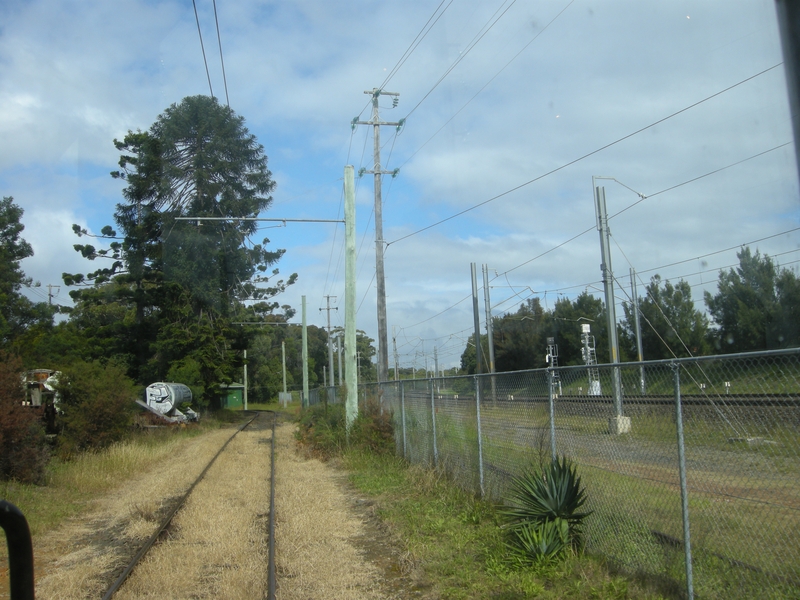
195,542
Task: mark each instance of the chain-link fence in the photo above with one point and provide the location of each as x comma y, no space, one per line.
692,466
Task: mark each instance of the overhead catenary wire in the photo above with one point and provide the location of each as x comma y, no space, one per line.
202,47
463,54
221,60
416,41
495,76
583,157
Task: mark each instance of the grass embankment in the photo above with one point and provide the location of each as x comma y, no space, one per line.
71,485
452,539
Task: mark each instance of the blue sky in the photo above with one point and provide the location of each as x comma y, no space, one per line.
547,83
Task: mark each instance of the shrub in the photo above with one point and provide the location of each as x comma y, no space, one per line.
23,452
323,430
96,407
373,429
542,512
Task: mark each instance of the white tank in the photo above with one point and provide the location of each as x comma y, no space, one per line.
165,397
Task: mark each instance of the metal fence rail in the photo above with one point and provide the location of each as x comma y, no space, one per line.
692,466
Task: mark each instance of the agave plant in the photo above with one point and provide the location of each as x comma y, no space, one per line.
542,509
546,540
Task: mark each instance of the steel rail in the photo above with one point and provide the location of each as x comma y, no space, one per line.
271,559
165,523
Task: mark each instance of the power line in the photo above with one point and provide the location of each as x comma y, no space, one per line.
593,152
643,198
496,75
202,47
462,55
413,45
219,39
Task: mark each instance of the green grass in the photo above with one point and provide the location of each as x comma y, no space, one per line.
743,501
456,540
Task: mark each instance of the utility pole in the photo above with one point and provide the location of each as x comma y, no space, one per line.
283,363
351,373
377,171
394,348
476,315
489,333
635,304
788,12
618,424
244,395
330,339
50,287
339,348
304,402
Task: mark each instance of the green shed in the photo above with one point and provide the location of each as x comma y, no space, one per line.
231,395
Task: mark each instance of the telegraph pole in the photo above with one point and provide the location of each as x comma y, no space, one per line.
351,372
477,317
394,348
377,171
619,424
304,354
50,287
635,304
489,331
330,339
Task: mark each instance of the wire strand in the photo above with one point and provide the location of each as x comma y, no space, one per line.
202,47
592,153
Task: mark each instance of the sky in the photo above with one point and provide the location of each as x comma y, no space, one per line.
510,107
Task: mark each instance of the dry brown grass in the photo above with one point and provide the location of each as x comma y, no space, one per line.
75,559
216,546
316,555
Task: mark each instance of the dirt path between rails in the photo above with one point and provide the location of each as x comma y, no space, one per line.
329,544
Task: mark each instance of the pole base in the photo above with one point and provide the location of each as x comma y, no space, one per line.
619,425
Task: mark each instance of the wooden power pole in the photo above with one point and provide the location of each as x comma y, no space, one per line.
383,347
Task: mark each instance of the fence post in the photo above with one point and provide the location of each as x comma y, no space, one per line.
403,416
551,402
480,438
687,545
433,421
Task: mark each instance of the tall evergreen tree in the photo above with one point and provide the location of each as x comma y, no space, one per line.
17,313
180,282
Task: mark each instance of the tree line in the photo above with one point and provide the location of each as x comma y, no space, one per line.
178,288
756,307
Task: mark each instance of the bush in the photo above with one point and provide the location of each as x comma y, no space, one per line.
542,513
96,407
23,452
323,430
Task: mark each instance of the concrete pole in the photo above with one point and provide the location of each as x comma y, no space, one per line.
394,348
640,355
283,365
608,285
477,317
330,339
305,356
488,306
339,356
244,395
788,12
489,334
351,373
